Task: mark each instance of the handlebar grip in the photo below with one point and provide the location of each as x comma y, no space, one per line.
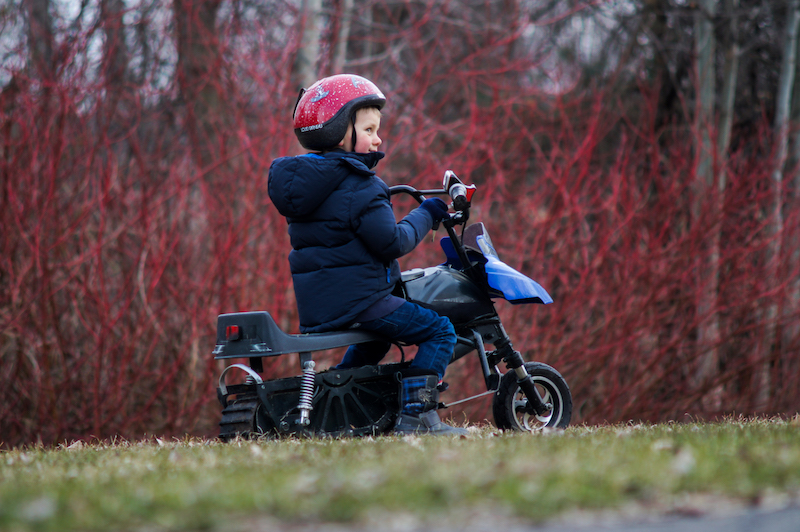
458,193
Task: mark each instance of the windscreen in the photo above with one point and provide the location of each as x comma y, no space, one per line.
476,238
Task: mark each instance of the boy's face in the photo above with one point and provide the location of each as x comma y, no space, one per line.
368,121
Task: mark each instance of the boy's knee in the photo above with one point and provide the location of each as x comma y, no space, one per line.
446,330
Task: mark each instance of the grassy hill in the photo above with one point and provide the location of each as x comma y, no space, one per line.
203,484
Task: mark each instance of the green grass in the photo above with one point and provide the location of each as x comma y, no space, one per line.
197,484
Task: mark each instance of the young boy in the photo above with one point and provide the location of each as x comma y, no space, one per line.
346,241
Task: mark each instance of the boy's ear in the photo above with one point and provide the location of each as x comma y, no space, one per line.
348,134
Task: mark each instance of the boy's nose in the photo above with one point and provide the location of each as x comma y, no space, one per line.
377,141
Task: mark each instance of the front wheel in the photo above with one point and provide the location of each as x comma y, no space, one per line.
510,406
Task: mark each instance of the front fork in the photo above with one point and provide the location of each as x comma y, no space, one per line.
492,331
513,360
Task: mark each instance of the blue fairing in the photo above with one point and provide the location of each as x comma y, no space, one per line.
515,287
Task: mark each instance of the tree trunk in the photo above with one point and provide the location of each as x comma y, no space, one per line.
199,62
340,55
40,39
728,95
791,329
706,207
775,216
305,67
115,57
730,46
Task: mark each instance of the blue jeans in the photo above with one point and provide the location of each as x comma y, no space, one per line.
410,324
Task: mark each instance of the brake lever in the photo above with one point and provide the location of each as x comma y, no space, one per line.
447,222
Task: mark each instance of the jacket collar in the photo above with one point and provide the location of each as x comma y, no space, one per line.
370,160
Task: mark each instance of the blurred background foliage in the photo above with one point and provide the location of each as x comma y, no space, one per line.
638,158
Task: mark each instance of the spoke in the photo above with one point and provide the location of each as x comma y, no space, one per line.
361,408
326,411
357,386
546,396
345,415
527,423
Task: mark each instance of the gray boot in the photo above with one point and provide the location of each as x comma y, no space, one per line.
420,398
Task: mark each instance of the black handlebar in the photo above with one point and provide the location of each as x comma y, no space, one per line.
418,195
460,203
460,194
453,187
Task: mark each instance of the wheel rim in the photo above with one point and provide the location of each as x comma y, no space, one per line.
550,394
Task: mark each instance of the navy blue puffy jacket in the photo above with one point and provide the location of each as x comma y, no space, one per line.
344,234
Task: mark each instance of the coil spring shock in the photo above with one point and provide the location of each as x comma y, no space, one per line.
306,392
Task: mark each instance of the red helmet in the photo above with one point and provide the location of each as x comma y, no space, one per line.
324,110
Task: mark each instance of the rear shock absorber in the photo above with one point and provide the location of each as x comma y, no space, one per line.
306,392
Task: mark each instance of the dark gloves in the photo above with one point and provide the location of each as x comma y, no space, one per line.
436,207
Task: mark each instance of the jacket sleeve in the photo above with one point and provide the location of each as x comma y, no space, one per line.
374,223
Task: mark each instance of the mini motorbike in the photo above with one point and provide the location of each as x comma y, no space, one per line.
366,401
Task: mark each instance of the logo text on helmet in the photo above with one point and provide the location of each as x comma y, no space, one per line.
311,128
319,95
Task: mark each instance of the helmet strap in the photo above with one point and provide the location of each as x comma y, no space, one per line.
353,120
302,91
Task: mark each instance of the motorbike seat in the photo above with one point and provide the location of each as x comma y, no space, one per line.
255,334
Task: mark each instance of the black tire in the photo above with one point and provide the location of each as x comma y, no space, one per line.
510,403
239,419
